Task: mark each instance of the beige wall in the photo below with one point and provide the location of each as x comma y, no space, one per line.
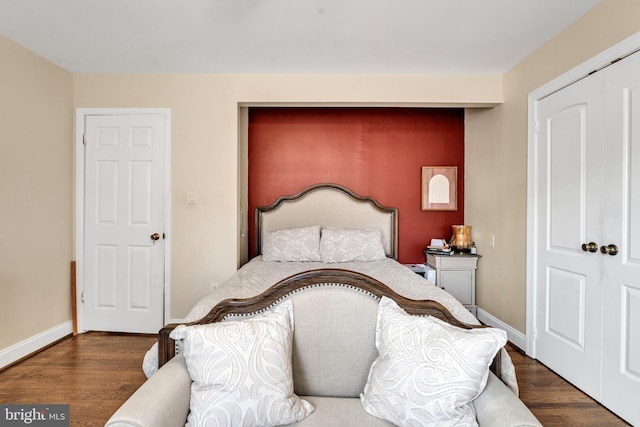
36,112
207,145
496,153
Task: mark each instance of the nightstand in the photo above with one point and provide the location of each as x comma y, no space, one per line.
416,268
456,274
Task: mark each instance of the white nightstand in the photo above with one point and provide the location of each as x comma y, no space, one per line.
416,268
456,274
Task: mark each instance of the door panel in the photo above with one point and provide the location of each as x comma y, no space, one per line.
140,188
106,265
140,277
566,141
106,192
621,226
631,332
566,298
124,206
567,331
632,119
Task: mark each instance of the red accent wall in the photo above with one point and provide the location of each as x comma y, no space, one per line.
376,152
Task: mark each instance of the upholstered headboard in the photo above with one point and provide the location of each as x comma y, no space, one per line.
328,205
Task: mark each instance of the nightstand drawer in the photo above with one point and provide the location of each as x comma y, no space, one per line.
451,262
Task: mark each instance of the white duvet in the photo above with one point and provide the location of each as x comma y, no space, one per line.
257,275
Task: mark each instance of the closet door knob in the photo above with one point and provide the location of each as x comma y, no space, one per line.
611,250
591,247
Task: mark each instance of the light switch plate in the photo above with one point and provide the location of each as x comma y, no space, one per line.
192,197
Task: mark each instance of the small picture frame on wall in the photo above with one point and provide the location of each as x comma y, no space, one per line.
439,188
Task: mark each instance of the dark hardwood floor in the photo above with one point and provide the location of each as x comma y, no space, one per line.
96,372
554,401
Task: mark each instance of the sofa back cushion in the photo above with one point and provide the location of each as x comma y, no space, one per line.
333,340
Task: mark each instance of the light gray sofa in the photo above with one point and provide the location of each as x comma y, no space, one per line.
333,349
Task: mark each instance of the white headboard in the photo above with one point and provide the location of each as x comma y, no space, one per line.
328,205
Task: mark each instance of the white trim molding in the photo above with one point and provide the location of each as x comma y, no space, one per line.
516,337
26,347
598,62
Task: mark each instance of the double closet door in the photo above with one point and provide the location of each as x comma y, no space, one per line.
587,247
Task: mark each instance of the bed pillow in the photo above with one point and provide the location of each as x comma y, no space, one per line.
241,371
427,371
350,245
292,244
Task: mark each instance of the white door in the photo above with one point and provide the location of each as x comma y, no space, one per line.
567,331
621,227
587,293
124,222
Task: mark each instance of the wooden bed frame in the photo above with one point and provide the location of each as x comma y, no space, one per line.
328,205
233,308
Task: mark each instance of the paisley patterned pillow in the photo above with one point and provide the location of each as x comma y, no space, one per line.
241,371
427,371
351,245
292,244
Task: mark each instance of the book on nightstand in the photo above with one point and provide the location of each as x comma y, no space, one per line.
439,250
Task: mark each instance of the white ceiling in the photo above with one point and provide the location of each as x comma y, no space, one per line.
287,36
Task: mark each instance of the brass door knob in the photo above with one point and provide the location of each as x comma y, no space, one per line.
591,247
611,249
155,236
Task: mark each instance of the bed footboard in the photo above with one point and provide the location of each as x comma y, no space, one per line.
313,278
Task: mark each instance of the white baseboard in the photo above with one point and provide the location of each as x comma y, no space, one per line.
34,343
516,337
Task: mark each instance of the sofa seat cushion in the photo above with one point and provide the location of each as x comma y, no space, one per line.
339,411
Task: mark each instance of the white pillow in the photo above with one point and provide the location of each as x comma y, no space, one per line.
241,371
292,244
349,245
427,371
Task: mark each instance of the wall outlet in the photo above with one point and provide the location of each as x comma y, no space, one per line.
492,240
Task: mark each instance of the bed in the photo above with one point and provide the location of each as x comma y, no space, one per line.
285,238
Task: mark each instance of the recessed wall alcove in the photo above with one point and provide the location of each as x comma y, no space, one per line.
375,151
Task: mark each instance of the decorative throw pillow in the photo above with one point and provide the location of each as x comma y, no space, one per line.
350,245
241,371
427,371
292,244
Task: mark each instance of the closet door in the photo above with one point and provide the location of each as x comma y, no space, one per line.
621,227
567,331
